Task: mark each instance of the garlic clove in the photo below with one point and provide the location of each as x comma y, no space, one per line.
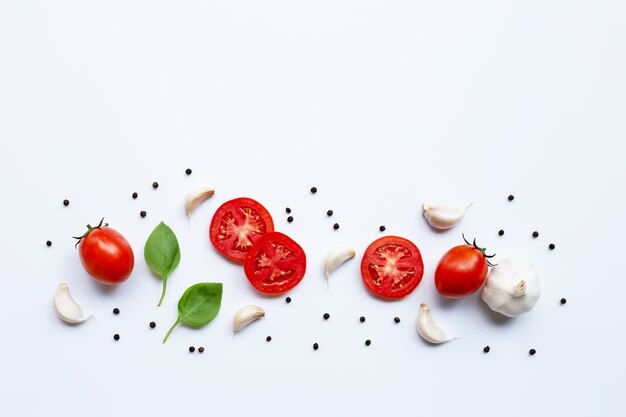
197,196
442,217
336,257
428,328
66,308
247,315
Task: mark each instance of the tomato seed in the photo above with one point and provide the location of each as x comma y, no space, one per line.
396,319
268,338
382,228
155,185
201,349
188,171
288,210
336,226
152,325
116,310
116,336
192,349
48,243
486,349
135,195
563,301
501,232
326,316
290,219
288,300
368,342
535,234
313,190
329,213
551,246
66,202
511,197
142,213
362,319
532,352
315,346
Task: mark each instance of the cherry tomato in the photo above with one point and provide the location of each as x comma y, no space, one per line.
105,254
461,271
236,225
392,267
275,263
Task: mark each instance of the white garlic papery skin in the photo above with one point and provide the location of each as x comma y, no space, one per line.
195,197
442,217
428,328
336,257
512,287
247,315
66,308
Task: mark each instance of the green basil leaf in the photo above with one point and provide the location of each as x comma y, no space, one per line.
162,253
199,305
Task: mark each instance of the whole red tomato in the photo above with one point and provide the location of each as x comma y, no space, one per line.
105,254
462,270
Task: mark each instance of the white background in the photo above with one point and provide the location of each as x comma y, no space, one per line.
383,105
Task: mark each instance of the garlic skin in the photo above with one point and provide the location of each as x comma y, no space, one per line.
66,308
512,287
246,315
428,328
442,217
336,257
195,197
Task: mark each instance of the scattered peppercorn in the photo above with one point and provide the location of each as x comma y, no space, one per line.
551,246
288,300
563,301
313,190
288,210
368,342
315,346
336,226
501,232
532,352
382,228
116,336
155,185
290,219
511,197
188,171
326,316
362,319
135,195
268,338
201,349
66,202
192,349
396,319
116,310
486,349
535,234
142,213
48,243
152,325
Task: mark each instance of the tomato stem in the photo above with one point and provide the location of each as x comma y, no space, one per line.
170,330
482,250
89,230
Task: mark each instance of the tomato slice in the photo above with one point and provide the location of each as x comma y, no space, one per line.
392,267
237,224
275,264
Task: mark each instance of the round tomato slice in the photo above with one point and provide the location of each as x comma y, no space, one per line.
392,267
237,224
275,264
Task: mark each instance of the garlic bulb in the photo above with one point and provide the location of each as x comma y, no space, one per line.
428,328
66,308
336,257
512,287
247,315
442,217
195,197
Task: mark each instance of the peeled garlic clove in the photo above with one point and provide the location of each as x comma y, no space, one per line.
512,287
336,257
66,308
442,217
428,328
247,315
197,196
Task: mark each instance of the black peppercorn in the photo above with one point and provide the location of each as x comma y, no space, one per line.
152,325
66,202
486,349
535,234
532,352
116,310
563,301
268,338
329,213
511,197
396,319
362,319
551,246
336,226
188,171
201,349
290,219
382,228
368,342
192,349
288,210
288,300
48,243
155,185
313,190
116,336
501,232
142,213
135,195
326,316
315,346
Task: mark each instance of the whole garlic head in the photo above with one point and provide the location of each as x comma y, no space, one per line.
512,287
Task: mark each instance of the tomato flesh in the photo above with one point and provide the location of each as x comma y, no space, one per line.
236,225
461,271
392,267
275,264
107,256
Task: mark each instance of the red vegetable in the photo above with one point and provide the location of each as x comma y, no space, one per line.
392,267
462,270
105,254
236,225
275,263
